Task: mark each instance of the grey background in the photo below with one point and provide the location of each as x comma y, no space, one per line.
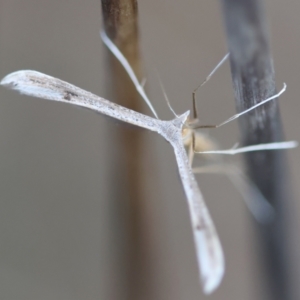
59,235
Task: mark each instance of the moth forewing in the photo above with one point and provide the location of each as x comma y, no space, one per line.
36,84
208,248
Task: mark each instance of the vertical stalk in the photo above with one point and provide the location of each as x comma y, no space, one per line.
120,24
253,81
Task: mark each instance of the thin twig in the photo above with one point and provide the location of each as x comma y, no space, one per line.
120,24
253,80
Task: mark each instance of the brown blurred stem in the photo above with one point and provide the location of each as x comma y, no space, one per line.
120,24
253,80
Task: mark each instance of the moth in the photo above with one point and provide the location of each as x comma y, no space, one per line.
208,248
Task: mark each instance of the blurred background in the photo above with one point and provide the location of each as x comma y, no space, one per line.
62,220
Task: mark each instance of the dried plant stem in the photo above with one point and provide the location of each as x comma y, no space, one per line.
120,24
253,80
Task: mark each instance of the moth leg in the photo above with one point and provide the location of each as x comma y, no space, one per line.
195,112
259,207
243,112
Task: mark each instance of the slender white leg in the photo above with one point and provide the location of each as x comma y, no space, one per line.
259,147
260,208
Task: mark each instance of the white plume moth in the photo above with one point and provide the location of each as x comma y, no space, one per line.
208,247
